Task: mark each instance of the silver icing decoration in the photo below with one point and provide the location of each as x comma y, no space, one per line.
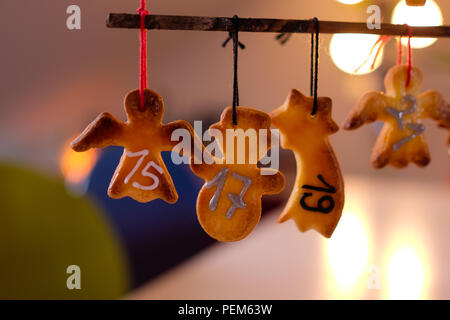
399,114
219,181
417,128
237,199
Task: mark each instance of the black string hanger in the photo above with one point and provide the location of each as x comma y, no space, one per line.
234,34
283,38
314,71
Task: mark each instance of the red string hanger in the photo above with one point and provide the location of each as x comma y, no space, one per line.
382,40
399,51
409,55
143,54
408,78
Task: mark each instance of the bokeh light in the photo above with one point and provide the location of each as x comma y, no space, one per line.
405,274
348,251
349,1
76,166
350,51
427,15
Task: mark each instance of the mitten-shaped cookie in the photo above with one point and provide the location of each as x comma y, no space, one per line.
229,203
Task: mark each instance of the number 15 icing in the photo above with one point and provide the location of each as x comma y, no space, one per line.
141,173
317,199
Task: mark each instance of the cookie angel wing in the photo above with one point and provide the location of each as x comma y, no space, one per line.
104,131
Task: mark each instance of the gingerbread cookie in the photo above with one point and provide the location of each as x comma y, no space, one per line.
141,173
401,109
229,203
317,198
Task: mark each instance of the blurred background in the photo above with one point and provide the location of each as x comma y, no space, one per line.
392,241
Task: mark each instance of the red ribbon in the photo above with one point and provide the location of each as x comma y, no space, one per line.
400,51
408,76
143,54
382,40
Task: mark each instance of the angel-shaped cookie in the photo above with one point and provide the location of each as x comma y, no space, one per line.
229,203
317,198
141,173
402,109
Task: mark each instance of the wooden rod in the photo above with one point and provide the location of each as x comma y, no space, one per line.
164,22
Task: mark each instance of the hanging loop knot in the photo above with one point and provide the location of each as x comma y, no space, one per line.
232,32
283,37
142,12
230,36
314,71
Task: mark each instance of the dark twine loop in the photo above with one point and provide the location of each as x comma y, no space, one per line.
283,37
314,72
234,34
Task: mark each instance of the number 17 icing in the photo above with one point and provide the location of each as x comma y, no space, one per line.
317,199
229,203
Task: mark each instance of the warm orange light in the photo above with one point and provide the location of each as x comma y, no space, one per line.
76,166
428,15
406,274
349,1
407,264
348,252
355,53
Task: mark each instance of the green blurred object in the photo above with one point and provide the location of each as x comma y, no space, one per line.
44,230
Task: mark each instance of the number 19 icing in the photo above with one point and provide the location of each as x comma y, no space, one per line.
317,199
141,173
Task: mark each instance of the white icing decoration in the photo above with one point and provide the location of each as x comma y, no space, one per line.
142,154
